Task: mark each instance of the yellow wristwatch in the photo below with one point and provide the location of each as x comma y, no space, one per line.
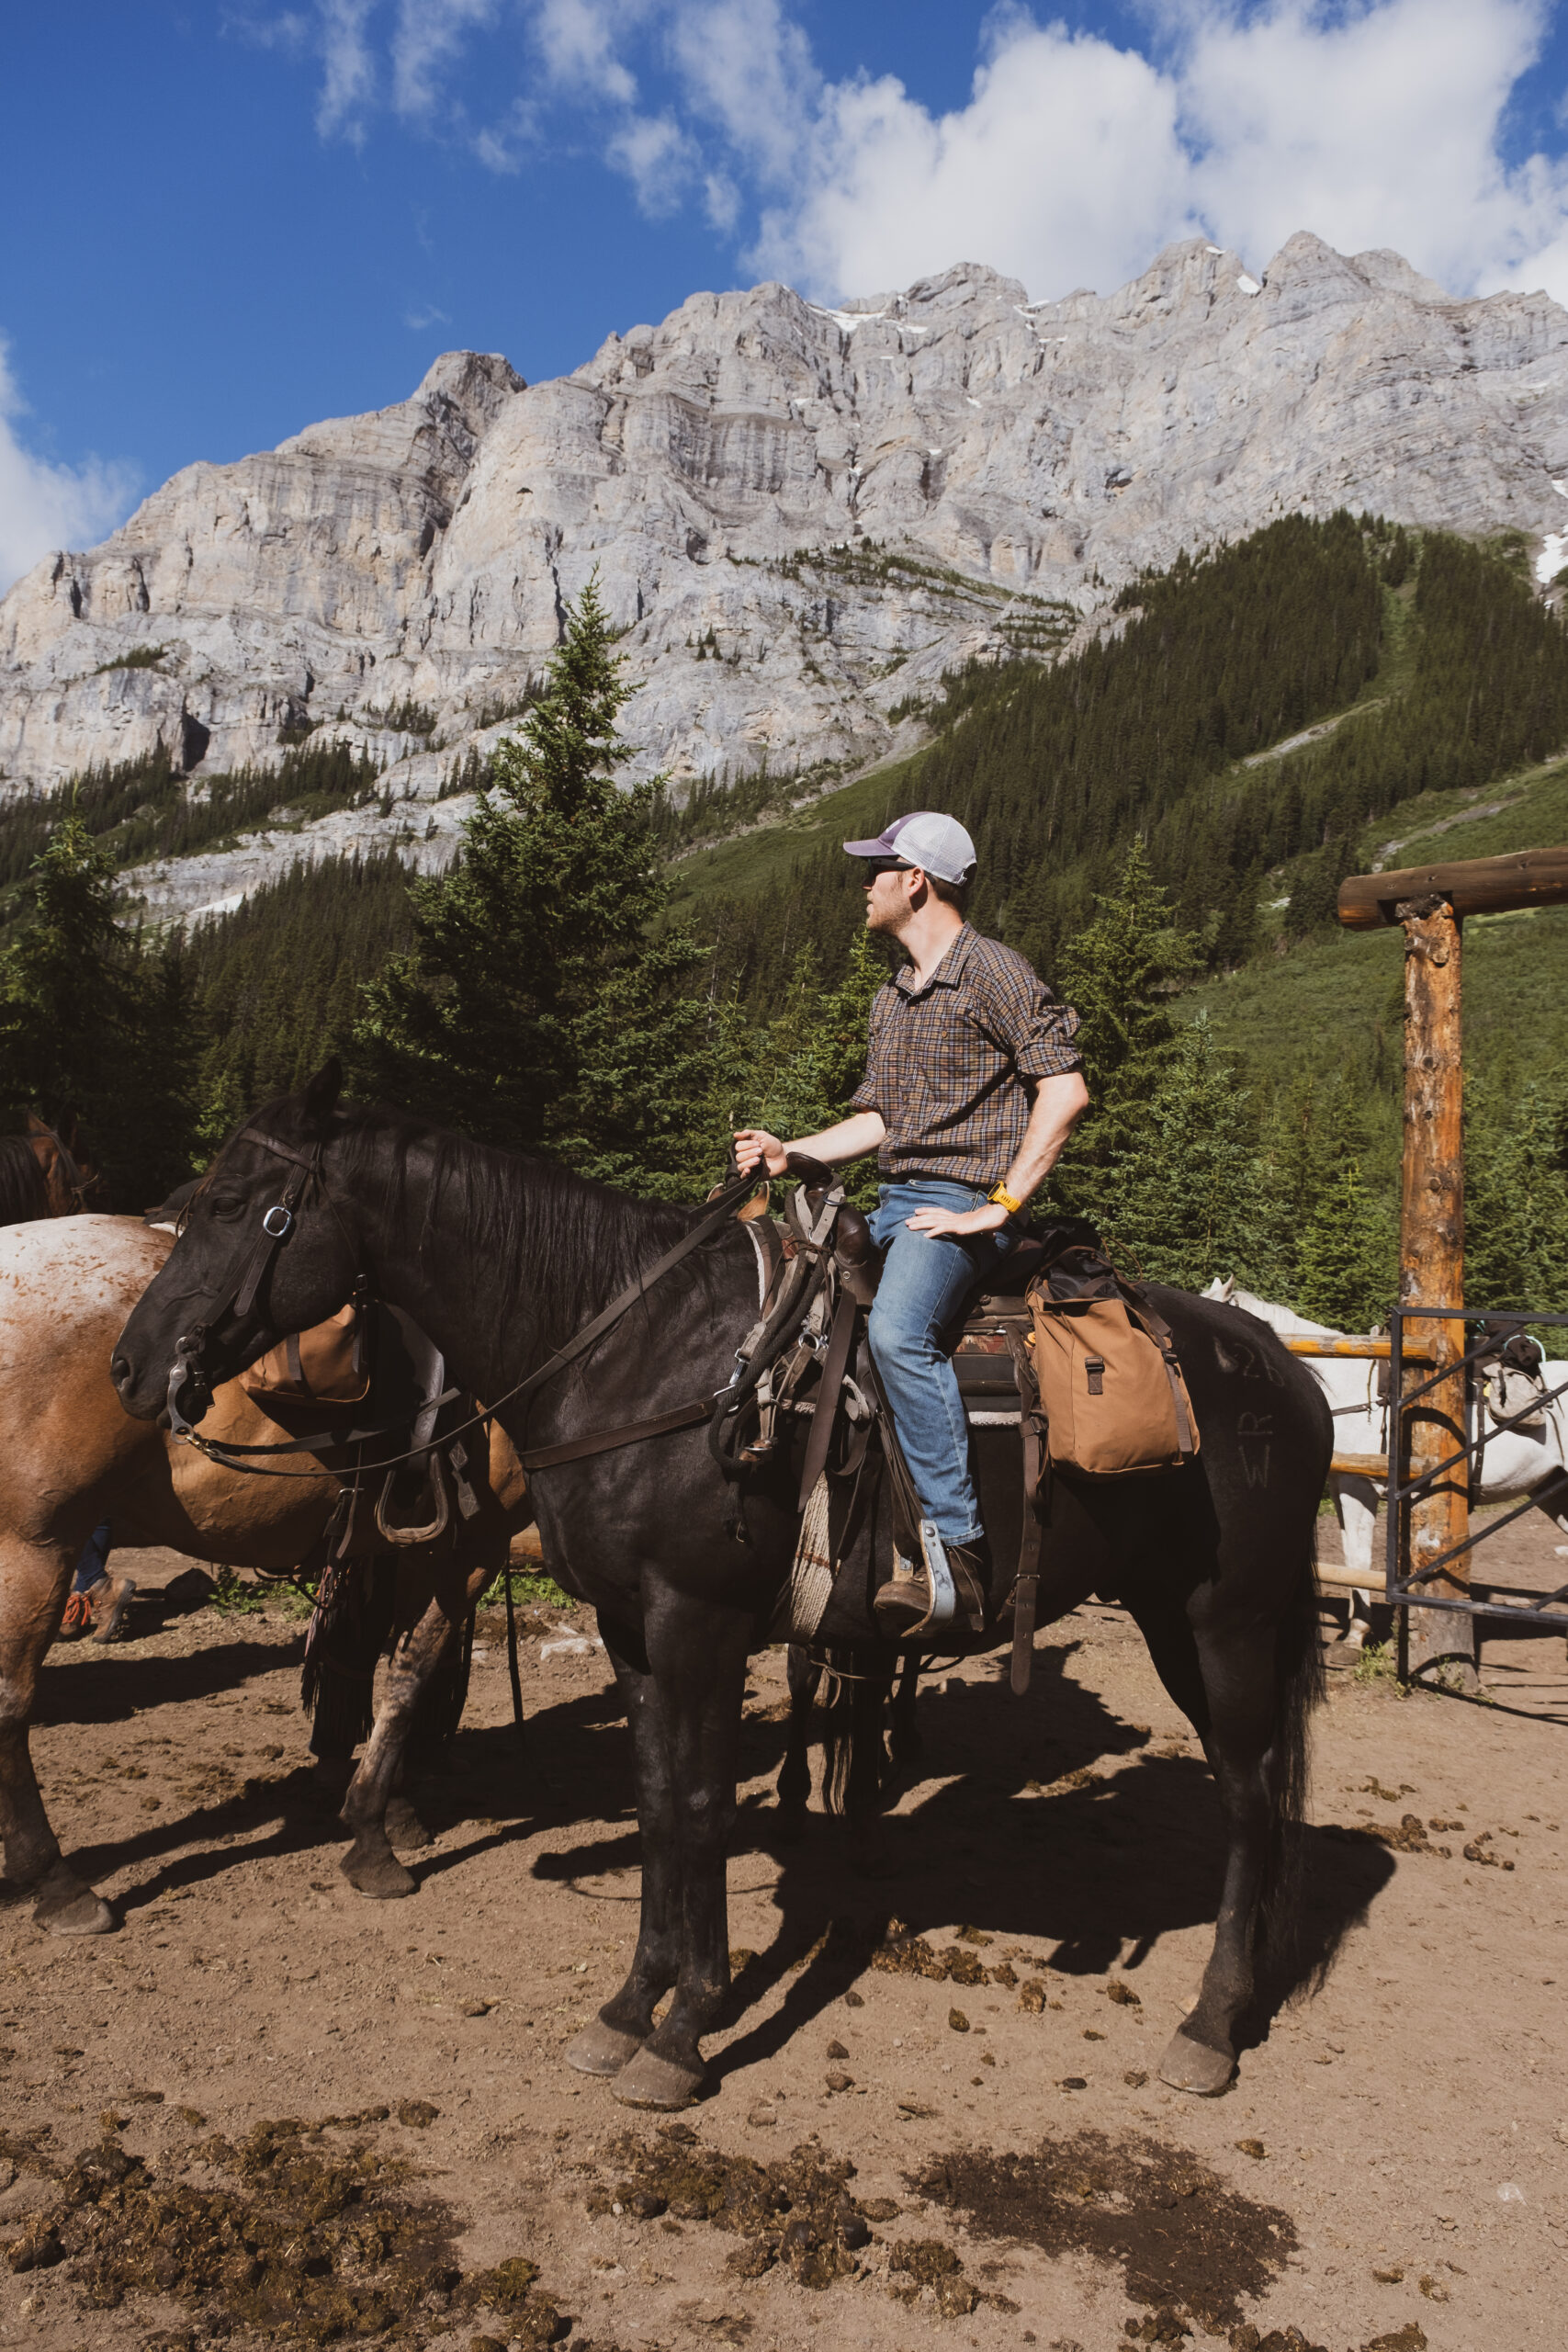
1004,1200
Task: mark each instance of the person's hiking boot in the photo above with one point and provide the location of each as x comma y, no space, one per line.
107,1602
904,1601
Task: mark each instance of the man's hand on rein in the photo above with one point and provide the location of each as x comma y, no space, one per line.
989,1218
755,1146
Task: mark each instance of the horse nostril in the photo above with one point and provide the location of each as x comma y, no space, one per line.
120,1368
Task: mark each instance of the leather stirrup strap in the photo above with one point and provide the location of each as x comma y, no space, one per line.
1027,1590
835,1365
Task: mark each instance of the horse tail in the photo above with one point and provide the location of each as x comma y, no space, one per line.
1299,1687
348,1629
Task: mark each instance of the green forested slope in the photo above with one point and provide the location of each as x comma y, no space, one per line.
1163,821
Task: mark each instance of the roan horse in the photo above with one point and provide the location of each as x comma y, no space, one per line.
502,1259
74,1457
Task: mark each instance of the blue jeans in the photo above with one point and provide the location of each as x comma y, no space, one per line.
925,1279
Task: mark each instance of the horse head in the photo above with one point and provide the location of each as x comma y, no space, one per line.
71,1184
268,1245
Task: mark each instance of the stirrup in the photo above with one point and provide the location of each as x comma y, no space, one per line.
944,1593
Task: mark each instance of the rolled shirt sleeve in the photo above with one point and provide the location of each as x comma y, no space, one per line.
1028,1022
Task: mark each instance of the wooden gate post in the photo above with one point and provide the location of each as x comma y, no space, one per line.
1430,901
1431,1266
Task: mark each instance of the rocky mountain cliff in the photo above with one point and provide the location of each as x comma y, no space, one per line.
800,517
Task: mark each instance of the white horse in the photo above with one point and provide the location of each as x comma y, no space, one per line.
1531,1459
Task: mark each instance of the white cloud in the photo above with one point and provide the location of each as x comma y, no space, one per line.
577,41
44,506
348,78
427,316
1376,129
1064,168
656,157
430,34
1069,161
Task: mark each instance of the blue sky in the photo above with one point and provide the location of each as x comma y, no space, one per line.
228,218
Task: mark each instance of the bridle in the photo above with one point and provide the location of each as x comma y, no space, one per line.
277,1223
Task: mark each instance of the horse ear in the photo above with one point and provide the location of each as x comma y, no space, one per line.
320,1095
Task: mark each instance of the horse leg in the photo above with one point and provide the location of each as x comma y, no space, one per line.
1224,1685
904,1723
33,1578
697,1652
794,1790
1356,1507
624,2024
370,1864
868,1756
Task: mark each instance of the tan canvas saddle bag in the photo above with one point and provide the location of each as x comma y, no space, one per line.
1111,1390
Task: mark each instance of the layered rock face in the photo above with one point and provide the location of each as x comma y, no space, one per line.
799,516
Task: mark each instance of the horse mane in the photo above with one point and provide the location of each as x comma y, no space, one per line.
564,1241
24,1188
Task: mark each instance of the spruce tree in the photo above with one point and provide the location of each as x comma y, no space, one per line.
96,1034
1184,1200
540,1006
1346,1272
1516,1202
1120,975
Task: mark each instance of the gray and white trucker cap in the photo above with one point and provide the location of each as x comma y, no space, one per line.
937,845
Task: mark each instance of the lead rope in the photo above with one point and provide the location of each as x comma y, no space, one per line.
512,1666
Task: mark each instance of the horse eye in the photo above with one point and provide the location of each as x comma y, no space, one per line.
226,1205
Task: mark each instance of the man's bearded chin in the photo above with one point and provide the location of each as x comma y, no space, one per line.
894,920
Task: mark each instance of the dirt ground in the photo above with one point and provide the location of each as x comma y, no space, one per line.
936,2118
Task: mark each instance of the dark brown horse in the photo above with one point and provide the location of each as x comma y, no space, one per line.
502,1259
39,1176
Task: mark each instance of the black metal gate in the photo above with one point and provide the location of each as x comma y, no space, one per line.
1403,1591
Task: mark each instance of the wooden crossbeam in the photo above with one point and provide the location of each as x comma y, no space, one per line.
1472,886
1377,1350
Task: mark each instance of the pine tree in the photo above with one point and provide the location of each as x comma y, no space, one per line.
1516,1202
96,1033
795,1074
1120,975
540,1006
1184,1200
1346,1273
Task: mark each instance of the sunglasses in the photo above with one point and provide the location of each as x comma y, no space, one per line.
876,865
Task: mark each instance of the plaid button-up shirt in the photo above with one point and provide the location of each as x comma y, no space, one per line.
951,1063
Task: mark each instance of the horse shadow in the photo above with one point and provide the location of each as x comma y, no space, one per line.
1023,1841
111,1690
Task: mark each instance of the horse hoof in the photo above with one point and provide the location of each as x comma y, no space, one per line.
65,1905
380,1876
602,2048
1189,2066
648,2080
404,1827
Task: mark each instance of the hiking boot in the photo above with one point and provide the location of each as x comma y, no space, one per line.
969,1565
904,1602
108,1602
901,1603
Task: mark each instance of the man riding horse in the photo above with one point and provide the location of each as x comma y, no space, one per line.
970,1090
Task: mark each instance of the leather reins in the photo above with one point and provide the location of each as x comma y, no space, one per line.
278,1224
